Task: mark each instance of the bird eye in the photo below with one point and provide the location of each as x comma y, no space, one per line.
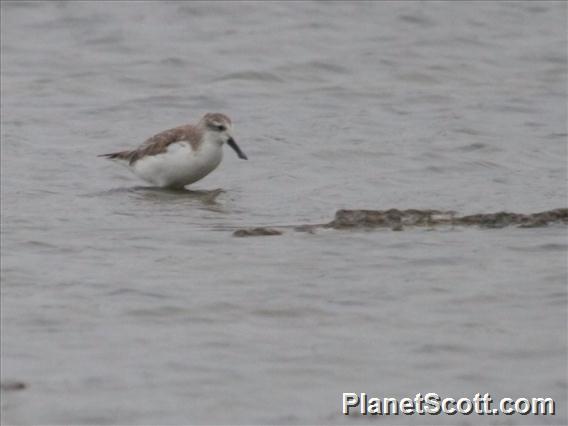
221,128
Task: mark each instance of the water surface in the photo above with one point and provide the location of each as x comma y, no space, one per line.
123,304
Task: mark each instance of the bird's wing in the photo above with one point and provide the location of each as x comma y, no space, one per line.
160,142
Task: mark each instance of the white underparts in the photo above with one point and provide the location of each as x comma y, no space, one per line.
179,165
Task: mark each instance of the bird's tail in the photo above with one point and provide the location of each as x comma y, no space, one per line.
122,155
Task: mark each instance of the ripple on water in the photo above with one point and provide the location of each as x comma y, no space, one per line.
417,19
476,146
419,77
542,247
107,40
252,76
315,66
134,292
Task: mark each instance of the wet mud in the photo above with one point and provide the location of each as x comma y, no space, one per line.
256,232
398,220
402,218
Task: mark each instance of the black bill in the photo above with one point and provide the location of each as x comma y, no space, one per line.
231,142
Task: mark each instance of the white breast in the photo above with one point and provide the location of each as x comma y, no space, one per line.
179,165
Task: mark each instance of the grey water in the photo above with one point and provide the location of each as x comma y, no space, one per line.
123,304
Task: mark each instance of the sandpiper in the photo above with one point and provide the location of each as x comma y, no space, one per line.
182,155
